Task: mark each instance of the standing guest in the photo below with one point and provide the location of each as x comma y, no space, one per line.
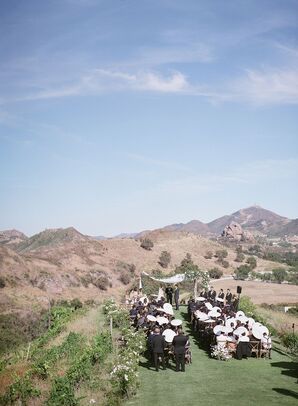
221,294
160,293
176,296
235,303
169,294
179,343
158,346
204,293
229,297
211,294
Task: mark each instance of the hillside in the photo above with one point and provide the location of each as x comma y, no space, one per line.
12,237
64,263
51,238
194,226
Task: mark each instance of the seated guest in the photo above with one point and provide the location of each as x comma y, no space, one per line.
221,340
231,341
243,338
243,349
266,343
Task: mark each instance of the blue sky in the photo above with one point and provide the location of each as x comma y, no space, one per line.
123,115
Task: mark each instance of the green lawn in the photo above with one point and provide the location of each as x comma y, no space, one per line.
211,382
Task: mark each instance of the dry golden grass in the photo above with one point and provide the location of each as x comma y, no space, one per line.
261,292
282,322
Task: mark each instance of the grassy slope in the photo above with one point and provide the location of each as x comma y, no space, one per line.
209,382
88,325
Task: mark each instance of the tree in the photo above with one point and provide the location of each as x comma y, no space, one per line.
242,272
252,262
221,254
239,249
279,274
239,257
193,272
208,255
147,244
215,273
125,278
225,264
164,259
187,260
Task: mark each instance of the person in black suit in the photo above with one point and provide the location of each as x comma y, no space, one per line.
179,343
169,294
221,294
228,297
204,293
158,345
211,294
176,296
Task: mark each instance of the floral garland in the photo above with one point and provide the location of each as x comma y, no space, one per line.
124,374
220,352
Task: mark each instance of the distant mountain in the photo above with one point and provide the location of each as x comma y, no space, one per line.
254,218
289,229
12,237
126,235
51,238
194,226
98,237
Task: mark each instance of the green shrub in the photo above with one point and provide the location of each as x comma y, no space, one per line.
102,282
20,391
240,257
242,272
215,273
252,262
164,259
279,274
76,303
125,278
147,244
2,282
290,341
208,255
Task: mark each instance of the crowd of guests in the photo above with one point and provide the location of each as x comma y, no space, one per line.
165,337
214,316
219,324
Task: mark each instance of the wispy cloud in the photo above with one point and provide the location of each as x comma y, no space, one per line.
257,87
157,162
177,53
274,86
100,81
252,173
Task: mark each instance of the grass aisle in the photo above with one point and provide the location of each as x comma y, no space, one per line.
208,381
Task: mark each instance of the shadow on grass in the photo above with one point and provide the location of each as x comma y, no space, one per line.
289,368
281,352
202,345
286,392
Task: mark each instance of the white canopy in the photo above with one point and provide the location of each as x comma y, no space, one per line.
172,279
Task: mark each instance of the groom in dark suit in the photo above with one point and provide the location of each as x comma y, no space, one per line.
158,345
179,343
